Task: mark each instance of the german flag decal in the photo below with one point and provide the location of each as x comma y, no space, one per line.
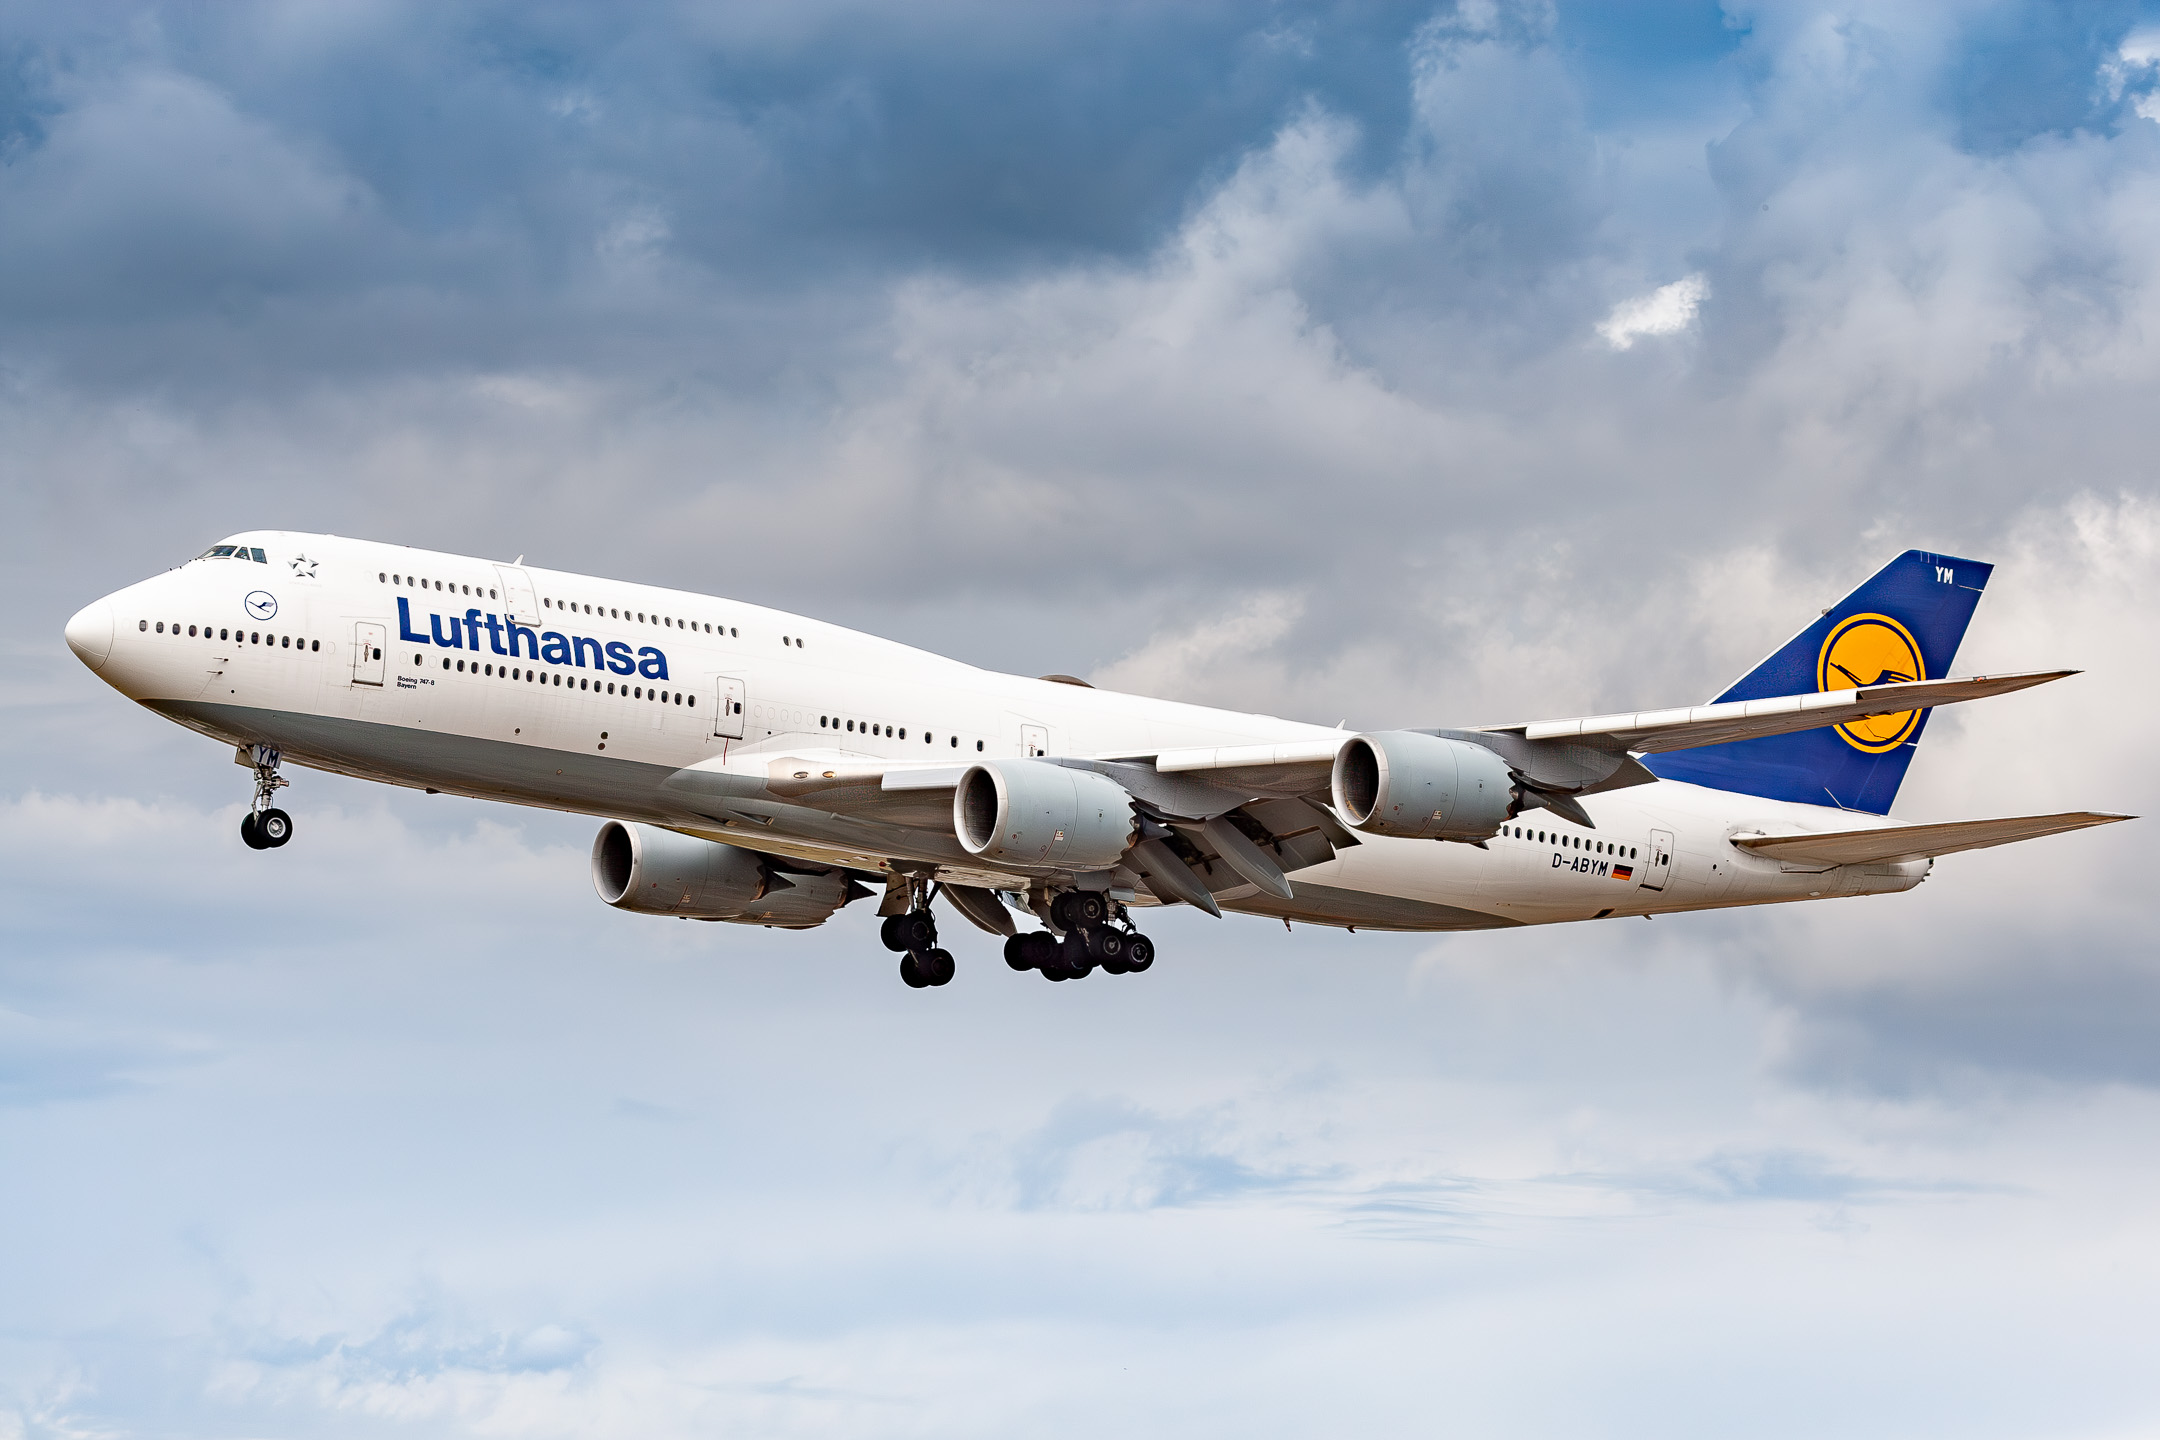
1623,872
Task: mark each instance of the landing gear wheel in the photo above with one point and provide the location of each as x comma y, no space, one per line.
1107,948
916,930
888,934
1072,957
912,973
1016,953
1039,948
250,836
1080,909
935,966
1139,952
273,828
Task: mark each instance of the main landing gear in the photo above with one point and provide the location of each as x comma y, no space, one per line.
265,827
1094,939
914,934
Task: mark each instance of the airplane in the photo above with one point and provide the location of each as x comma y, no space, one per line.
758,767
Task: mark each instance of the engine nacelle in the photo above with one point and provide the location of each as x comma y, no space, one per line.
1032,812
660,872
1398,782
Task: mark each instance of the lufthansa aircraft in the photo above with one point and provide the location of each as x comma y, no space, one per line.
764,768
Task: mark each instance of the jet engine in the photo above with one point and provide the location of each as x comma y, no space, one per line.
660,872
1033,812
1398,782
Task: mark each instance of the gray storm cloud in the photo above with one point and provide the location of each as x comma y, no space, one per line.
1274,363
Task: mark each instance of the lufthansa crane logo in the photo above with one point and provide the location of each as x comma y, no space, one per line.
261,604
1863,651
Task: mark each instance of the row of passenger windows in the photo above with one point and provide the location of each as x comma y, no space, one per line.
511,672
549,602
245,637
448,587
1571,842
864,727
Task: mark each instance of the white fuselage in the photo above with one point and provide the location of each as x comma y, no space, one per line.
282,653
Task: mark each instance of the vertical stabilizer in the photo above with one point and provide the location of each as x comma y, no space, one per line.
1905,623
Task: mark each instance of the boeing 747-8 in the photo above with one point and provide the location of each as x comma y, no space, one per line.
765,768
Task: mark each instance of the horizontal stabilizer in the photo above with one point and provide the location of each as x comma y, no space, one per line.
1886,844
1652,732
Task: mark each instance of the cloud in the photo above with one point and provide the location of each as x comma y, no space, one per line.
1667,310
1237,359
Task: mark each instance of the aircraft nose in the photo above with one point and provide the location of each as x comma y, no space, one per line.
90,633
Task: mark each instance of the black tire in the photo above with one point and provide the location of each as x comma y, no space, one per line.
915,930
1054,972
1039,948
249,835
1139,952
1079,909
1016,948
912,973
275,828
1072,957
1105,945
886,933
1116,967
936,966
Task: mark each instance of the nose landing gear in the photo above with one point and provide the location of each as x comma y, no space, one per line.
265,827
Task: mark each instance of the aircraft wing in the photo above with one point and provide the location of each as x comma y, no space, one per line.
1651,732
1885,844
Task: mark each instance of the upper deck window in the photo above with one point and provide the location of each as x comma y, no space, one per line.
235,552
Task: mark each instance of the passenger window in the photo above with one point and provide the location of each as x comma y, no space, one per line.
317,645
285,642
978,745
160,627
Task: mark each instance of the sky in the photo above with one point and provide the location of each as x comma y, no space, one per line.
1386,364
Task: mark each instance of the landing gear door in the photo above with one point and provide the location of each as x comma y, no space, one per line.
367,660
517,593
728,713
1657,865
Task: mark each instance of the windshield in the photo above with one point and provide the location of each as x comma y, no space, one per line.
235,552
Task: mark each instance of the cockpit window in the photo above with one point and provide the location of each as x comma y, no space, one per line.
235,552
217,552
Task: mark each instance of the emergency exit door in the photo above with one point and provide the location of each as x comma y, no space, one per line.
1035,739
728,708
1657,865
367,659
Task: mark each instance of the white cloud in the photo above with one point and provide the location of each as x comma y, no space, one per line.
1667,310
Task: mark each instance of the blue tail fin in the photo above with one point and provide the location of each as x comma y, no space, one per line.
1903,624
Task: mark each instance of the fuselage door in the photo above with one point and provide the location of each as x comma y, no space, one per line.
1035,739
1657,865
728,716
517,592
367,659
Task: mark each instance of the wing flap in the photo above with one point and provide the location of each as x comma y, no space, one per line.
1886,844
1651,732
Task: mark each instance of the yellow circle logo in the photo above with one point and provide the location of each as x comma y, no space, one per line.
1868,650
